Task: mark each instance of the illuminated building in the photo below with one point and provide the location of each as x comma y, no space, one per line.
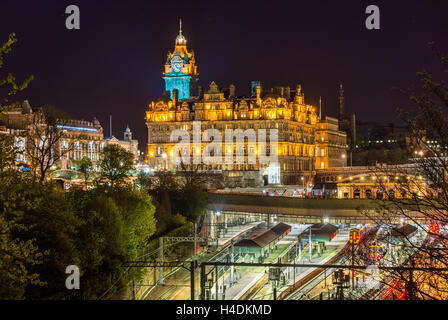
218,108
331,145
127,143
380,187
180,69
80,138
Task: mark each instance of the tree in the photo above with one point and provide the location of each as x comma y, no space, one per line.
8,83
420,195
191,202
17,256
117,224
53,225
116,163
85,166
8,153
44,139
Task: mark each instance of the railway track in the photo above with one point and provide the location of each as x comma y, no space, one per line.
341,257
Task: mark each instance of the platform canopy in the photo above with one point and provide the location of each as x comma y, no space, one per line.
263,239
320,232
403,231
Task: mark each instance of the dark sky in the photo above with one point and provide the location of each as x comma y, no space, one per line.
113,64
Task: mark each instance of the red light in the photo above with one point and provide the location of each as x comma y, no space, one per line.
389,290
434,229
402,295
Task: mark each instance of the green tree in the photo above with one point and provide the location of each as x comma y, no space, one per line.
117,224
53,225
17,255
116,164
191,202
85,166
44,138
8,83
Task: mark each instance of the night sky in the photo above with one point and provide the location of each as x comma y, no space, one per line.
113,64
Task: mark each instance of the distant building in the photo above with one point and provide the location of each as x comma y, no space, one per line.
331,144
80,139
127,143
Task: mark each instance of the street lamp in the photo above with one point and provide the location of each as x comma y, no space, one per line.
303,186
309,240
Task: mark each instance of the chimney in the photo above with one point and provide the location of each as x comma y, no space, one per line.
258,90
353,130
288,93
341,103
200,92
232,91
353,134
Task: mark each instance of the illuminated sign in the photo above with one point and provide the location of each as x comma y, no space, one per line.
77,128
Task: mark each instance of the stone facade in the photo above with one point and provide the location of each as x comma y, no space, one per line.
280,108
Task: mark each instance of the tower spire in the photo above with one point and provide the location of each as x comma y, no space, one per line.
180,26
341,103
320,108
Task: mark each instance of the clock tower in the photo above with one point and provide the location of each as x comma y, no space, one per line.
180,69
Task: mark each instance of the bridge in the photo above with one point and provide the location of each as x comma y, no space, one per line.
292,208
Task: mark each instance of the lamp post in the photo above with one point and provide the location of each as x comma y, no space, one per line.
303,186
309,240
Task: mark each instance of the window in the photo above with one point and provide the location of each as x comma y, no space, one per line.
322,152
322,165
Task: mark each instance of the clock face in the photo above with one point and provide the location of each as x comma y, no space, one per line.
177,67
